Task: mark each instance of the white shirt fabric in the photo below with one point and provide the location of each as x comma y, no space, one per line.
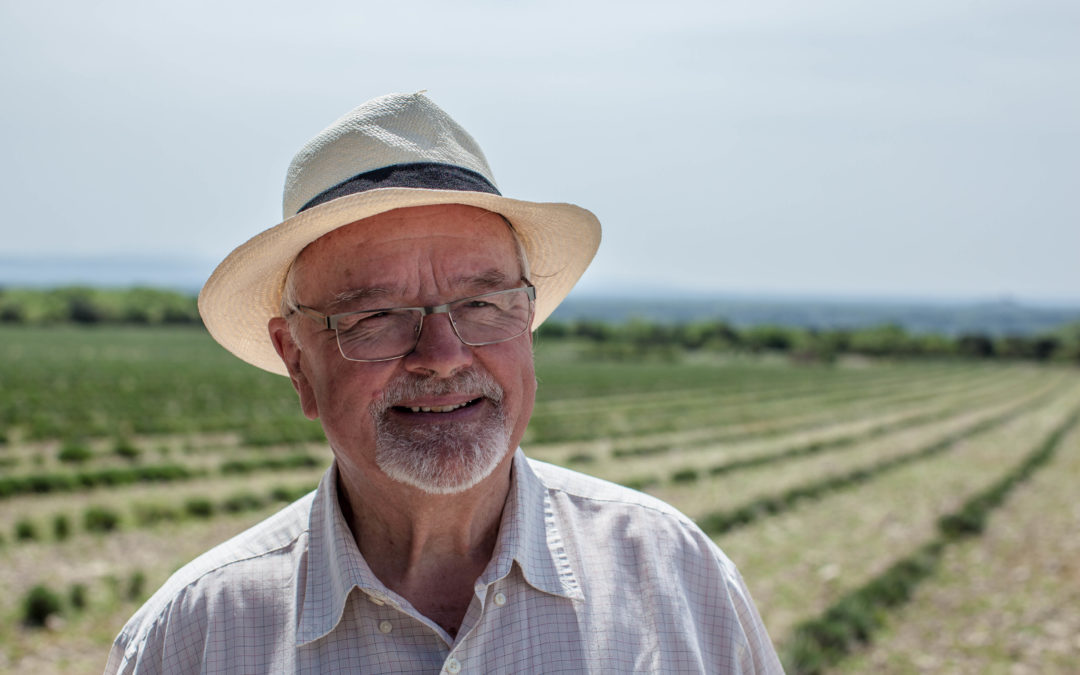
586,577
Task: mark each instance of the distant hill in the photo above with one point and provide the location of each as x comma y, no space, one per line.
991,318
178,274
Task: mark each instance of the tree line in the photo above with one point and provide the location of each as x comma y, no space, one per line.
629,339
86,305
636,337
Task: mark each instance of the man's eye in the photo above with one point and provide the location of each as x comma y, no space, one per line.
378,320
354,320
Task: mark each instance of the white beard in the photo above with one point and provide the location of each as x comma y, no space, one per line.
441,458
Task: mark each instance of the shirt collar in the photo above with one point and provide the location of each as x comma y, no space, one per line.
334,565
529,535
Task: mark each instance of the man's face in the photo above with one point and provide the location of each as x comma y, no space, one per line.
444,416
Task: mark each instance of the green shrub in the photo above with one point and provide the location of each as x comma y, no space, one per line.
136,584
199,507
11,313
61,527
25,530
685,476
100,519
240,466
294,461
242,501
162,473
640,483
39,604
149,513
284,494
75,453
281,494
77,596
125,449
642,451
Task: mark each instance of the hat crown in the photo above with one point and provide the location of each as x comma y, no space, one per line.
385,131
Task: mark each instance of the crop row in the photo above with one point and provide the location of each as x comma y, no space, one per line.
65,481
854,618
784,425
732,424
708,441
719,522
704,412
688,474
127,451
68,481
801,560
97,519
218,509
179,381
767,385
569,382
42,603
1005,601
197,506
263,421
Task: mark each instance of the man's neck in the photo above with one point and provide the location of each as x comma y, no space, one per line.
430,549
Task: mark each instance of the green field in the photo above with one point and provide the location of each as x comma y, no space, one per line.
889,516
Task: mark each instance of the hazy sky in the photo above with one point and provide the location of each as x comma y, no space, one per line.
926,149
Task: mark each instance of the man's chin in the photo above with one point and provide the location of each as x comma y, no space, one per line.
442,461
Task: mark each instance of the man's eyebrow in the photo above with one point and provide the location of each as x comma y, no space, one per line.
489,280
354,295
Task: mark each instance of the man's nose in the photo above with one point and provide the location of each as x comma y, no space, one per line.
439,352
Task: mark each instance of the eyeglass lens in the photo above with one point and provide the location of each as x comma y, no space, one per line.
484,319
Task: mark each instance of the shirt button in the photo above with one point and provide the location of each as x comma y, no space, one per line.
453,666
385,627
500,599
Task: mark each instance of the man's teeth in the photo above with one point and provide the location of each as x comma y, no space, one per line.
438,408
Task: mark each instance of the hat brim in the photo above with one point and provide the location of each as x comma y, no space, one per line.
244,292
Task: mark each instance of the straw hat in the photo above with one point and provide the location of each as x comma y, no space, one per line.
392,152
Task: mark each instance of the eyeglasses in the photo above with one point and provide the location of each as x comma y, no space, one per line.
388,334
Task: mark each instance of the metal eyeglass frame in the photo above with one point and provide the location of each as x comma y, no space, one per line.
330,321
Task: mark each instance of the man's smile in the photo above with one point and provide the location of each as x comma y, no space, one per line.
444,411
438,408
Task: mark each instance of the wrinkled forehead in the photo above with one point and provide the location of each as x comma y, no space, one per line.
386,249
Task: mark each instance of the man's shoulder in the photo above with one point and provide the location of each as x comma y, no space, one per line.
275,534
612,527
597,492
259,555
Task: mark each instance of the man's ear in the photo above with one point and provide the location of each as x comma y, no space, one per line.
290,354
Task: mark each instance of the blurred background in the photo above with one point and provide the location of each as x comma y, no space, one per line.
835,317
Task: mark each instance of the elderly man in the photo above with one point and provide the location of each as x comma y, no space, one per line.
398,296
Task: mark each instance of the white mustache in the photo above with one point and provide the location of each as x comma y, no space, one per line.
473,382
